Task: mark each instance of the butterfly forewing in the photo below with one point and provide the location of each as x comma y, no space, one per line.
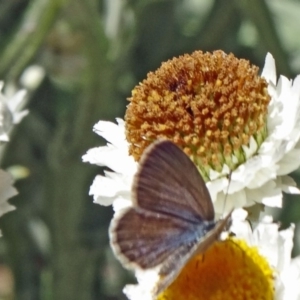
168,182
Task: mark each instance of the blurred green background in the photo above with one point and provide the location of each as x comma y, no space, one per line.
93,52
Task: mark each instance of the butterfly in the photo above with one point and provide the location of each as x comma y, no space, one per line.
171,219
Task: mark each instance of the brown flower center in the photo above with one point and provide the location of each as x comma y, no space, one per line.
209,104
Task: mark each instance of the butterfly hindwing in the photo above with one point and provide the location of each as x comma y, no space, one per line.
145,239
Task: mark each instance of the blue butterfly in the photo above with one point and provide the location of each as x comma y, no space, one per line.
172,216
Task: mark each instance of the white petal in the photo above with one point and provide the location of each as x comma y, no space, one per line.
240,227
274,199
121,203
289,109
216,186
17,100
11,112
105,189
287,184
4,137
6,191
213,175
16,104
113,133
111,157
286,246
147,280
18,116
262,176
136,292
269,71
269,192
223,204
266,236
289,163
252,173
249,151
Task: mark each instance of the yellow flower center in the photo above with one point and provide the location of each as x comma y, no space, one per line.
228,270
209,104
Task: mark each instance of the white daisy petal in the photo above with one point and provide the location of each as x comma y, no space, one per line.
216,186
6,191
4,137
269,71
146,280
111,157
11,112
266,194
238,199
105,189
112,132
249,151
290,278
16,104
273,200
288,185
290,162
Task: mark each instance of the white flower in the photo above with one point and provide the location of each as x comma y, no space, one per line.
274,248
10,112
6,191
261,179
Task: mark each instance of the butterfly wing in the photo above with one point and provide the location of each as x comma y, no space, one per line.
145,239
170,201
168,182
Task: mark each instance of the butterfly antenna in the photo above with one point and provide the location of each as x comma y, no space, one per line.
226,195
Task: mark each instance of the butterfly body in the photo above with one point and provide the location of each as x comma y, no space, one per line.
172,216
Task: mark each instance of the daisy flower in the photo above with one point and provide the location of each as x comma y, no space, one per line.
251,265
226,117
10,112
